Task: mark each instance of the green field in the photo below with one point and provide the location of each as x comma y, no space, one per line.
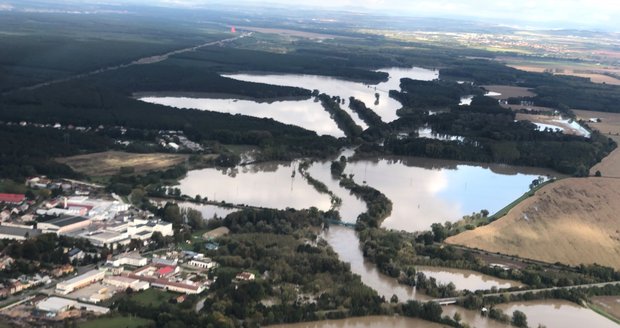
152,297
117,321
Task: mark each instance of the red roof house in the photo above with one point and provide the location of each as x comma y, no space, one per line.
165,270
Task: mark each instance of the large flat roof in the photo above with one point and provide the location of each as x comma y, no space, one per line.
81,277
67,220
55,304
17,231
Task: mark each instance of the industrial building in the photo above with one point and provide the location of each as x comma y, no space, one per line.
130,258
17,233
64,224
80,281
56,305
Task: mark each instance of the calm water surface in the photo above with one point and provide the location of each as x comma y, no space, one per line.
426,191
210,211
305,113
558,314
465,279
386,106
270,184
365,322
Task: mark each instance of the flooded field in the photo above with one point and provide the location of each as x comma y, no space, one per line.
610,304
305,113
558,314
385,106
425,191
344,242
466,279
271,184
364,322
210,211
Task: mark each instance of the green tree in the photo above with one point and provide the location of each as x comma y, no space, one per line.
519,319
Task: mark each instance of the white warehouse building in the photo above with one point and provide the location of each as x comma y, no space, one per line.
80,281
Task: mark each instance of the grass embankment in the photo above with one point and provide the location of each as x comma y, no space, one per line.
502,212
602,312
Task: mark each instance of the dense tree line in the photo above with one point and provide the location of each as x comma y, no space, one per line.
556,91
42,252
416,94
342,118
377,129
492,135
28,151
301,62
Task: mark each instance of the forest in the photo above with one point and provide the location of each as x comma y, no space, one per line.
491,134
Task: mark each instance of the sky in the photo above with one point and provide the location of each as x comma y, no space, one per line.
564,13
602,14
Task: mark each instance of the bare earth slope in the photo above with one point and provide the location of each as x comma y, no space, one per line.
572,221
110,162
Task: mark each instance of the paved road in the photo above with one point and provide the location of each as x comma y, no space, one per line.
141,61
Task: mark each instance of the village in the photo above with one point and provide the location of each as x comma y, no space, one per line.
119,253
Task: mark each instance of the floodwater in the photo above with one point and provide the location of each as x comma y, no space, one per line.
426,132
210,211
364,322
558,314
551,314
465,279
466,100
423,191
345,243
270,184
384,106
426,191
351,206
308,114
